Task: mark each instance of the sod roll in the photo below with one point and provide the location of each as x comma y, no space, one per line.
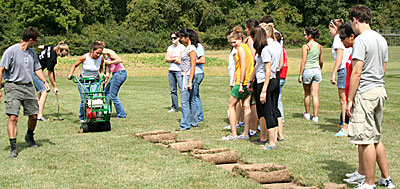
210,151
262,177
186,146
219,158
160,137
156,132
266,167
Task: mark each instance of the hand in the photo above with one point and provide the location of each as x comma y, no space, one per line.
47,86
249,87
106,62
69,77
190,86
55,89
299,79
178,60
333,80
263,97
349,105
241,90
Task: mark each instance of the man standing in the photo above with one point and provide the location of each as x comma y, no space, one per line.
367,96
17,66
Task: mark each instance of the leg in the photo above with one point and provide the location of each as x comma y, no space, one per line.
369,162
32,121
118,79
82,104
253,117
382,160
280,105
247,115
240,114
263,127
200,114
41,100
185,113
194,121
172,77
307,99
315,91
342,98
12,126
232,114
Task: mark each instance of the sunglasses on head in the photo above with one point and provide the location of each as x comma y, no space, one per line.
304,34
173,38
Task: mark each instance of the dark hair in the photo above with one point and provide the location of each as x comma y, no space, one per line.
97,45
267,19
361,12
336,22
175,33
313,31
345,31
251,23
260,39
30,33
193,37
228,32
278,36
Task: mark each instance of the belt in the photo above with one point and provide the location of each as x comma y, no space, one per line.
19,83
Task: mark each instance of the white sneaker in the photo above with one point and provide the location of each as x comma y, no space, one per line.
230,137
352,174
243,137
306,116
315,119
355,179
388,183
82,121
241,124
365,186
173,110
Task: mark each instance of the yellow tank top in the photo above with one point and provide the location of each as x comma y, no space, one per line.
249,65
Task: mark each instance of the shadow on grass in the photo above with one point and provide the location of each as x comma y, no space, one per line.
329,128
336,170
23,145
297,115
333,121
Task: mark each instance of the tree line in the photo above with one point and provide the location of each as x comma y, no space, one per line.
135,26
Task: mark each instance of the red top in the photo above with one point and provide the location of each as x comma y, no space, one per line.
349,69
283,71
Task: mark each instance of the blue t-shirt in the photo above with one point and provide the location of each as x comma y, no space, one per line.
200,53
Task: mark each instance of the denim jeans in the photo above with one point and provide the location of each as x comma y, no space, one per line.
198,78
112,89
189,110
174,78
82,105
280,105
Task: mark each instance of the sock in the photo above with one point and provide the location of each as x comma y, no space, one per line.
29,132
13,143
370,186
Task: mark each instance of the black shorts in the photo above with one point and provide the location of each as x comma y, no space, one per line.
268,110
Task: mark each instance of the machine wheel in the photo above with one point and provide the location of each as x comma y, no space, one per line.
85,127
107,126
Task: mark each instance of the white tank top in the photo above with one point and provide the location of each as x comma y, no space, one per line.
91,66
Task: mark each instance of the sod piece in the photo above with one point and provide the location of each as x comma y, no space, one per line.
186,146
262,177
288,185
210,151
160,137
219,158
266,167
156,132
166,142
335,186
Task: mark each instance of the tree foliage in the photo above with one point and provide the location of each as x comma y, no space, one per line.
144,25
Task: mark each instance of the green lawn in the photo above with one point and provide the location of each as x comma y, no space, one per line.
68,159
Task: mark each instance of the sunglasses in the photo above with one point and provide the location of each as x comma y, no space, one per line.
332,24
62,50
173,38
304,34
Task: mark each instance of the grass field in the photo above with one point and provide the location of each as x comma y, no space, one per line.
69,159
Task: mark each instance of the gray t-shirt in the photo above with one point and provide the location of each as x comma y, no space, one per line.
19,64
270,53
371,48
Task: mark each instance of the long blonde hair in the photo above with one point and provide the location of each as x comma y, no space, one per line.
269,29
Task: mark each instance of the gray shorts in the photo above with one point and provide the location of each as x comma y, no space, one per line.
366,124
311,76
17,95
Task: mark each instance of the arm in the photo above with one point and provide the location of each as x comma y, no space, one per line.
115,59
321,57
253,75
1,77
168,58
263,95
303,62
242,57
76,64
339,57
281,62
40,75
192,68
201,60
250,43
354,82
52,81
384,68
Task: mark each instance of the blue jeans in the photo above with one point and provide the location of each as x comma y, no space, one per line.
280,105
82,105
198,78
174,77
39,85
112,89
341,78
189,110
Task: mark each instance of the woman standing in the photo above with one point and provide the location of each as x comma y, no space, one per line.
48,59
268,57
118,78
198,78
340,54
173,57
310,71
92,65
188,37
243,70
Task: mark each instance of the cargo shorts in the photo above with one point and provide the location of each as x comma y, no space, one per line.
367,115
20,94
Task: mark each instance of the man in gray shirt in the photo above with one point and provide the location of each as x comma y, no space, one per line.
366,99
17,66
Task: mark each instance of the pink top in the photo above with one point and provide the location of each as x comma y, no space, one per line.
116,67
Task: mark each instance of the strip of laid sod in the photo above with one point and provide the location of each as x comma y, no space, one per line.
66,158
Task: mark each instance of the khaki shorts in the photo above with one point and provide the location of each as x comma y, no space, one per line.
17,95
366,123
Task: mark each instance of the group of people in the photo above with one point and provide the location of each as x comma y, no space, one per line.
22,71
